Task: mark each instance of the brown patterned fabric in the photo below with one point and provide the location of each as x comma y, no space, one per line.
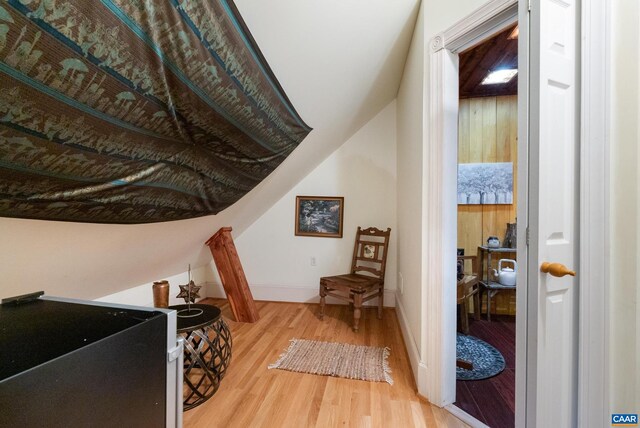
134,111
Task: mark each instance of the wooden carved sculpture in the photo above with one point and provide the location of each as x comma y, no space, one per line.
232,276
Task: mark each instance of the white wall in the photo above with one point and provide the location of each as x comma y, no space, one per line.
87,261
410,119
142,295
434,17
624,265
443,14
363,171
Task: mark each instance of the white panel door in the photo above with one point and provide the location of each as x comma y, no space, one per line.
553,211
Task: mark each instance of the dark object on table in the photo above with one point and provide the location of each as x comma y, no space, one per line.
72,364
370,257
207,351
510,238
460,264
232,276
460,270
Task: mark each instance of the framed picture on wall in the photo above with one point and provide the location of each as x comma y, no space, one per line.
485,183
320,216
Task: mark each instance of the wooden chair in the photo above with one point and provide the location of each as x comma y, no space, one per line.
366,280
468,286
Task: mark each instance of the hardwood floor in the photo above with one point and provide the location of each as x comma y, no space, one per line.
250,395
492,400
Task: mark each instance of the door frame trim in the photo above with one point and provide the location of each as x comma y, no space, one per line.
440,182
593,271
441,234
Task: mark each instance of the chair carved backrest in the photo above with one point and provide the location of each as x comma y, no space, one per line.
370,252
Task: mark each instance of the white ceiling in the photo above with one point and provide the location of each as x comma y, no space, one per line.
339,61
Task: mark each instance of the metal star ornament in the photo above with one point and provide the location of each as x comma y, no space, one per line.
189,292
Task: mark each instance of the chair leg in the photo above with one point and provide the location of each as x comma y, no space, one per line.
464,317
476,306
380,302
322,300
357,309
489,306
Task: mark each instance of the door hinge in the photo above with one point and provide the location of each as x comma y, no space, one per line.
529,6
527,235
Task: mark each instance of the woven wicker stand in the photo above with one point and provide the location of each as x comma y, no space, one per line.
207,351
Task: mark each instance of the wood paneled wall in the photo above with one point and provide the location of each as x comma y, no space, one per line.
488,132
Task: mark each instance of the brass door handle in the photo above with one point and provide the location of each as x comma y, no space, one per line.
556,269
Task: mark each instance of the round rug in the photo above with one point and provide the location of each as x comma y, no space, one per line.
487,360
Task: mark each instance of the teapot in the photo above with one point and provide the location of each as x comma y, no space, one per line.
506,275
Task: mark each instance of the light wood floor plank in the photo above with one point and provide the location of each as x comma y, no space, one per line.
252,396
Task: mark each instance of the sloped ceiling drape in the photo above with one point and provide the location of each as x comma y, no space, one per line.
122,111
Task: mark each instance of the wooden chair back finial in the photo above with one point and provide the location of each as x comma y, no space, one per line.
370,252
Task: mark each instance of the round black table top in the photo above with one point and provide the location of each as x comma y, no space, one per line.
209,315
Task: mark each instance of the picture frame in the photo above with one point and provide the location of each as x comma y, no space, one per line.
485,183
319,216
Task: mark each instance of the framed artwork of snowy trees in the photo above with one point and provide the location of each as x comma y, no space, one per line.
485,183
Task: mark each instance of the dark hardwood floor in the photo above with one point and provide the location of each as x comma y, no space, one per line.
492,400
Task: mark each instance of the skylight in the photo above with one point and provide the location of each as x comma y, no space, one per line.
497,77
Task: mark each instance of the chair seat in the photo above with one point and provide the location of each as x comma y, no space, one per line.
356,282
467,287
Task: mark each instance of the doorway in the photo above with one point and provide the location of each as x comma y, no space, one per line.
562,163
486,241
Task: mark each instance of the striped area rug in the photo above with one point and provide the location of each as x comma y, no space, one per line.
336,359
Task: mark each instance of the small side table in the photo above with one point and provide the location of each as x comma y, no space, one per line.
493,287
207,351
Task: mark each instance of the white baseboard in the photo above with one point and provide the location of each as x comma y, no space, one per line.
417,366
291,293
464,416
